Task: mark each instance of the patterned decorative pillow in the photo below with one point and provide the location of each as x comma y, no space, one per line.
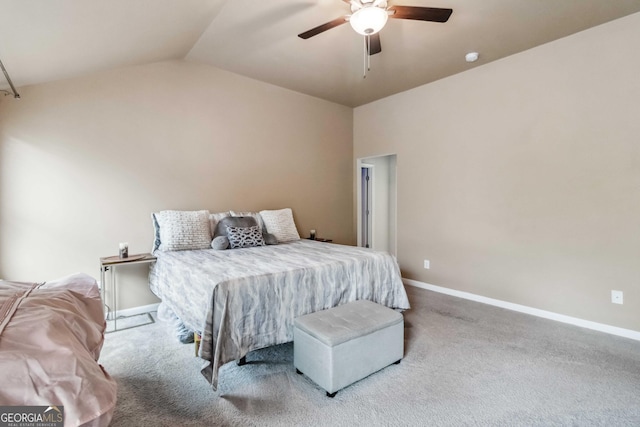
280,223
184,230
244,237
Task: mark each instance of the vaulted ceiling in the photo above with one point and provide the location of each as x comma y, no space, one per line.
47,40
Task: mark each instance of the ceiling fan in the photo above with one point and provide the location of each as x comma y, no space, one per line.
368,17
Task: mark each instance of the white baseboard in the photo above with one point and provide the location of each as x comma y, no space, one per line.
137,310
613,330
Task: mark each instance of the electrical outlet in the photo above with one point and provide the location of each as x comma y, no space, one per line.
427,264
617,297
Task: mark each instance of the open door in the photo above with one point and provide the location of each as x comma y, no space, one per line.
376,203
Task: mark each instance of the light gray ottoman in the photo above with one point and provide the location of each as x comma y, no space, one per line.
341,345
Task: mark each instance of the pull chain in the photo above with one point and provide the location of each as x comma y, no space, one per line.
364,60
367,57
368,53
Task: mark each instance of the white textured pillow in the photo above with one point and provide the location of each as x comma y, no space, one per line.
280,223
184,230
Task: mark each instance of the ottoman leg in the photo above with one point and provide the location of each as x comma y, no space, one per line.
242,361
397,362
332,395
298,371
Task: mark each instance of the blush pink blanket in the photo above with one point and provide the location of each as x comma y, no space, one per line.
51,335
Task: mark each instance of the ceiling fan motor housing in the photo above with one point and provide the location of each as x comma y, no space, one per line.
368,17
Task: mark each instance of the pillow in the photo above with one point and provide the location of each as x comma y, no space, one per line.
255,215
244,237
184,230
220,243
214,218
156,233
269,239
280,224
233,221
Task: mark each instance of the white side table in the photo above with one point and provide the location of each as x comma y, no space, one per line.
110,264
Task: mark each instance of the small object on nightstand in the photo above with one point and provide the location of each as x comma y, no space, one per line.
312,235
124,250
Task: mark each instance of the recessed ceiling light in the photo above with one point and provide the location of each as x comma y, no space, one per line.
471,57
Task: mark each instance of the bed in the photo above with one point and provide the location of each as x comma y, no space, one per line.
51,335
245,299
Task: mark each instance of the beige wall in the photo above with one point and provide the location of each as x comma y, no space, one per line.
520,180
84,162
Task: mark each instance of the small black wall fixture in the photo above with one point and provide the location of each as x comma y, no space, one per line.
6,75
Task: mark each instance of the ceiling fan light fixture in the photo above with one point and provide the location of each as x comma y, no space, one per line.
368,20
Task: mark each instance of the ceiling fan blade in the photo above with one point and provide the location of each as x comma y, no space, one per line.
322,28
433,14
373,44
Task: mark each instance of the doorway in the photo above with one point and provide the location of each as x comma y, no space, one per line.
376,203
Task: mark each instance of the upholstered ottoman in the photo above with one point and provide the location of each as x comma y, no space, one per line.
341,345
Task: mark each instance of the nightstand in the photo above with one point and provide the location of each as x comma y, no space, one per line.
110,264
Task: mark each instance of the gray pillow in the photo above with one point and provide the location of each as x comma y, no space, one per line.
244,237
233,221
220,243
256,215
269,239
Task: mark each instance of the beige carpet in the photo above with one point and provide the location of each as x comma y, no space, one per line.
465,364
